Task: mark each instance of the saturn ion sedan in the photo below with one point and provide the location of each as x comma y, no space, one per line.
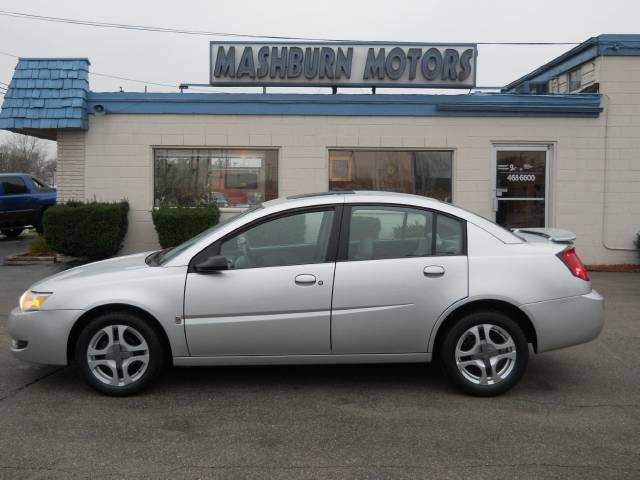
339,277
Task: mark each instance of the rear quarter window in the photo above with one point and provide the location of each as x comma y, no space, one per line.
450,236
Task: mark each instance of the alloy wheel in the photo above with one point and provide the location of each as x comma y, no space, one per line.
485,354
118,355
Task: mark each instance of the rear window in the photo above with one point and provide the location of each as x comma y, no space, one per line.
40,186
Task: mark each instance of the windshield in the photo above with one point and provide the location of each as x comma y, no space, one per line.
171,253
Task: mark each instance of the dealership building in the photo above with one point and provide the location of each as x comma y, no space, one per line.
559,147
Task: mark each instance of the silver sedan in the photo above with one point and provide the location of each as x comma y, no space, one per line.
341,277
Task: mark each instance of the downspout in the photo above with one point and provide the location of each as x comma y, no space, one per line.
604,180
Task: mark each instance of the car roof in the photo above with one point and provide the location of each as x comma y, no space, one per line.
354,196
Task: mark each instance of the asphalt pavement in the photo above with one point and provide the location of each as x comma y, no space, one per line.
575,415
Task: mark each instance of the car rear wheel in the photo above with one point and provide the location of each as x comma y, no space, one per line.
119,353
485,353
12,232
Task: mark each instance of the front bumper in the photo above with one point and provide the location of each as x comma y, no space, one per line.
566,321
41,336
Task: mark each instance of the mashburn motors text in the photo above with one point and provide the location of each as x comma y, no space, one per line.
451,65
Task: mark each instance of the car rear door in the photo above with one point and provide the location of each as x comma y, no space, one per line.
275,299
398,269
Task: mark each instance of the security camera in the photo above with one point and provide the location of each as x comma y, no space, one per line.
98,109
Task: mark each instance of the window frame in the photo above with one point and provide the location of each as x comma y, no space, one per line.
12,194
451,150
195,149
332,246
578,73
345,227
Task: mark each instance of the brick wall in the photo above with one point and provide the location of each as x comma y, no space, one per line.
119,159
620,85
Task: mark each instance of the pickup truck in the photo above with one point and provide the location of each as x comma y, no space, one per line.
23,200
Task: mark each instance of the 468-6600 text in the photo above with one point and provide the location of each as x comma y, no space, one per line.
521,177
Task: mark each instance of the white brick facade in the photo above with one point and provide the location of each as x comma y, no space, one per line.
619,79
585,187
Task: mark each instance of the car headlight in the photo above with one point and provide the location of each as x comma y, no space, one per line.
30,301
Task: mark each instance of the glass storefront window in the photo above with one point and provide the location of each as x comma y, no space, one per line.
226,178
425,173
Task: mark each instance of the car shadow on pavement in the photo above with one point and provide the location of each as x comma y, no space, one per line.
412,377
545,374
378,375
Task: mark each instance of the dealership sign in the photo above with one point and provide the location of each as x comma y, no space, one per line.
339,64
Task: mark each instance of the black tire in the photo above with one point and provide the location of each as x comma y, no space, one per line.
38,225
133,328
12,232
508,370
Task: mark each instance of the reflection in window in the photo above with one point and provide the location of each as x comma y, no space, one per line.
389,232
226,178
298,239
425,173
396,232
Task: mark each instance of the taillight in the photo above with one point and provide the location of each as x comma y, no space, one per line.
570,258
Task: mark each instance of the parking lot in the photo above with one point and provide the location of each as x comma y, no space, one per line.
576,414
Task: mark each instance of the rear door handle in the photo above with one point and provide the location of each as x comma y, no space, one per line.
433,271
305,279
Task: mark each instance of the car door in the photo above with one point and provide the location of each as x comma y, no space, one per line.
275,298
398,269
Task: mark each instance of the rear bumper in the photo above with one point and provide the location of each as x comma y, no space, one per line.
41,337
566,321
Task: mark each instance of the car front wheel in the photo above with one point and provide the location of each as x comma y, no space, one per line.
119,353
485,353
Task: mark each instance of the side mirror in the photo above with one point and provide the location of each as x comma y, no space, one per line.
212,264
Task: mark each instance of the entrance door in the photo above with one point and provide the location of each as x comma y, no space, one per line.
521,186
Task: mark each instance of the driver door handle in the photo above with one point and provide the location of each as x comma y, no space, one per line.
305,279
433,271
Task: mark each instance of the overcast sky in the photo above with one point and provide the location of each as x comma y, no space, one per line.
173,58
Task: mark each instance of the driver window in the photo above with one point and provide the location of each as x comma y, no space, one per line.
297,239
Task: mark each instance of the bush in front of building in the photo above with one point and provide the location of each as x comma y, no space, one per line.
91,230
175,225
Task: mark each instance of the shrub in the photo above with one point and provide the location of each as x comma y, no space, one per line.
39,248
90,230
178,224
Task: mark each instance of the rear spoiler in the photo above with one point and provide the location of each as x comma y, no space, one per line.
556,235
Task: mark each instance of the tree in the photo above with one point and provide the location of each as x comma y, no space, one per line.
24,154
